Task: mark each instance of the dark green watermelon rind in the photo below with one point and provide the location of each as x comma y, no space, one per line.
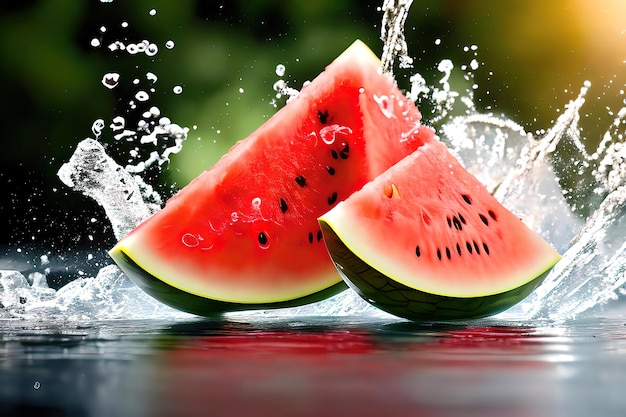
204,306
410,303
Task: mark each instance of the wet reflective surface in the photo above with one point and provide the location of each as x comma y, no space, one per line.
261,365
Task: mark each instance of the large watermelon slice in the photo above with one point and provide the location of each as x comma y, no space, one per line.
426,241
244,234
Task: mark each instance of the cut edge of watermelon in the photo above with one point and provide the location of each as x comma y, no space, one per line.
250,297
356,237
183,299
413,304
426,284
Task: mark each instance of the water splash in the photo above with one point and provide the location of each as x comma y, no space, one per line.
578,199
395,13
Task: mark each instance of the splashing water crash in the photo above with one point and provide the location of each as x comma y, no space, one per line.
244,234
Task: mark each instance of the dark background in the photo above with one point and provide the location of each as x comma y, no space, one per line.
536,56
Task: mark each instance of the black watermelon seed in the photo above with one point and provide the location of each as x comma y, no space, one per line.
263,240
323,116
334,154
484,219
469,247
492,214
458,249
467,198
418,252
283,205
301,181
476,248
330,170
462,218
449,221
332,199
457,223
319,235
448,254
439,254
344,152
486,248
310,237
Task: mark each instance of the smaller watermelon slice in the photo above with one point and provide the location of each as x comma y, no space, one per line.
425,240
244,234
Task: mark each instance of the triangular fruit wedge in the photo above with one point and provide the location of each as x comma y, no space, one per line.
426,241
244,234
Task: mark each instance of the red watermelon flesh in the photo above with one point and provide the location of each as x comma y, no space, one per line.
244,234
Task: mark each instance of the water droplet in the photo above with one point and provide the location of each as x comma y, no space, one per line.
152,12
111,79
256,203
95,42
280,70
177,89
132,48
118,124
37,384
142,96
234,217
152,50
190,240
124,24
103,29
169,44
385,104
329,133
154,111
96,127
150,76
241,90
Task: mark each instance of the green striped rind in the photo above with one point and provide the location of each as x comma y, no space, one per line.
403,301
204,306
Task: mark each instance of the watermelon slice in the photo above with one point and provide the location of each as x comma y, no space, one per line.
426,241
244,234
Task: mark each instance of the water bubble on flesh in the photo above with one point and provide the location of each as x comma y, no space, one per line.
329,133
177,89
385,104
169,44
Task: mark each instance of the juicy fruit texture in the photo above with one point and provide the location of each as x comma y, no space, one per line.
425,240
244,234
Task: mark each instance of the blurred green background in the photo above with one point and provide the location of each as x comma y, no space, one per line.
535,56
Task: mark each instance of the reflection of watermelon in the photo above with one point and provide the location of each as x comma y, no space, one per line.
244,233
425,240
